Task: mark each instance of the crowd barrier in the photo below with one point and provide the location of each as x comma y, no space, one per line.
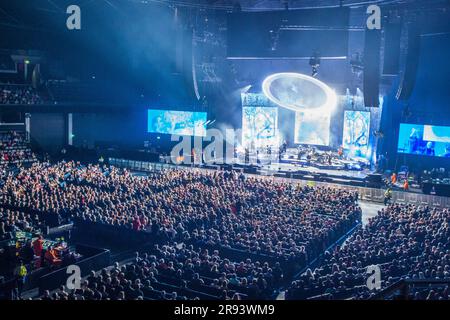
401,289
45,279
113,234
93,259
367,194
377,195
4,243
140,165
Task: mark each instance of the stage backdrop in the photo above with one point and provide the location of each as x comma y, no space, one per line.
312,128
355,125
259,121
350,125
356,132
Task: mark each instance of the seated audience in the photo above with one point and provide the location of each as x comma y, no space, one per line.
18,94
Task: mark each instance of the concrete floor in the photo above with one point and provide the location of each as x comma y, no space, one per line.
369,210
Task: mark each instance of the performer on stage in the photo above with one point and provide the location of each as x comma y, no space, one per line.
308,158
283,147
193,154
246,156
282,150
301,152
429,151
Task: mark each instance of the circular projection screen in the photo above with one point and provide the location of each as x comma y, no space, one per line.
299,92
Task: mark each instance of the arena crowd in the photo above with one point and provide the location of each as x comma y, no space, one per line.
406,241
224,235
19,94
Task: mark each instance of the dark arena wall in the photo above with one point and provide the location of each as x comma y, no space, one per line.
428,103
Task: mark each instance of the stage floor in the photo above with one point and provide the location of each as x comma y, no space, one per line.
290,167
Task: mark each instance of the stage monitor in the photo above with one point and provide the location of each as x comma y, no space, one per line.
356,133
259,127
312,128
424,140
183,123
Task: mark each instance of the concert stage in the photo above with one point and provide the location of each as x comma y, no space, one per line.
341,171
310,165
292,168
304,172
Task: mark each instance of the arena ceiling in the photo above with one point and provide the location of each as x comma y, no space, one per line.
8,8
36,14
297,4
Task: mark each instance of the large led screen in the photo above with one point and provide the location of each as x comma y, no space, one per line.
259,127
436,133
424,140
312,128
183,123
356,132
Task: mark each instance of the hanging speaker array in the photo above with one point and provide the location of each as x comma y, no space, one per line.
371,82
408,79
391,61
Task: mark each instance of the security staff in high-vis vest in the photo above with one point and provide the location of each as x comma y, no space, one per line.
21,276
387,196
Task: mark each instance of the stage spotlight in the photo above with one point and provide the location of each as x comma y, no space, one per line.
359,93
246,88
299,92
274,36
